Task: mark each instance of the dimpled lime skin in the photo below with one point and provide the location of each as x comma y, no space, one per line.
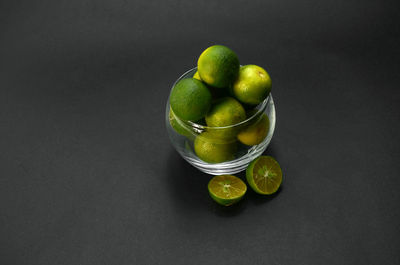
218,66
253,85
190,99
224,112
212,149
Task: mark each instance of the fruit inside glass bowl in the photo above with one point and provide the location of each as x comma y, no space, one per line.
221,115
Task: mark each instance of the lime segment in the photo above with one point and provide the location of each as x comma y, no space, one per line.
264,175
226,189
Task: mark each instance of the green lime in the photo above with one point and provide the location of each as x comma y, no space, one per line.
215,92
212,149
264,175
224,112
253,85
255,133
178,125
197,76
218,66
190,99
226,189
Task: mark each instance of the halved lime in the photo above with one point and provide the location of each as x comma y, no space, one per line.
264,175
226,189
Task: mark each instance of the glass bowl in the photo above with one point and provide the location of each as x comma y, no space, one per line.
229,155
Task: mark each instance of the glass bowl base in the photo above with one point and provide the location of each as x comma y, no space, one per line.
229,167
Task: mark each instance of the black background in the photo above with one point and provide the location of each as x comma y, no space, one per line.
87,172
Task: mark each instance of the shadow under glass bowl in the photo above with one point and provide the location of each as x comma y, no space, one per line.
242,155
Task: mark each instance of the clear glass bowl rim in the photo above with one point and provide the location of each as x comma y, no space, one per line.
262,107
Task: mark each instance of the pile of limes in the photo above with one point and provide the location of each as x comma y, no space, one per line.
221,95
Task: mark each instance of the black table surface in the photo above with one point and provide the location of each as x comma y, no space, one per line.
87,172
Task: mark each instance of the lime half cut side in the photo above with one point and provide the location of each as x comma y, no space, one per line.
264,175
226,189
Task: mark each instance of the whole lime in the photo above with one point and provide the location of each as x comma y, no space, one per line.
215,92
179,126
212,149
255,132
253,85
190,99
218,66
224,112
